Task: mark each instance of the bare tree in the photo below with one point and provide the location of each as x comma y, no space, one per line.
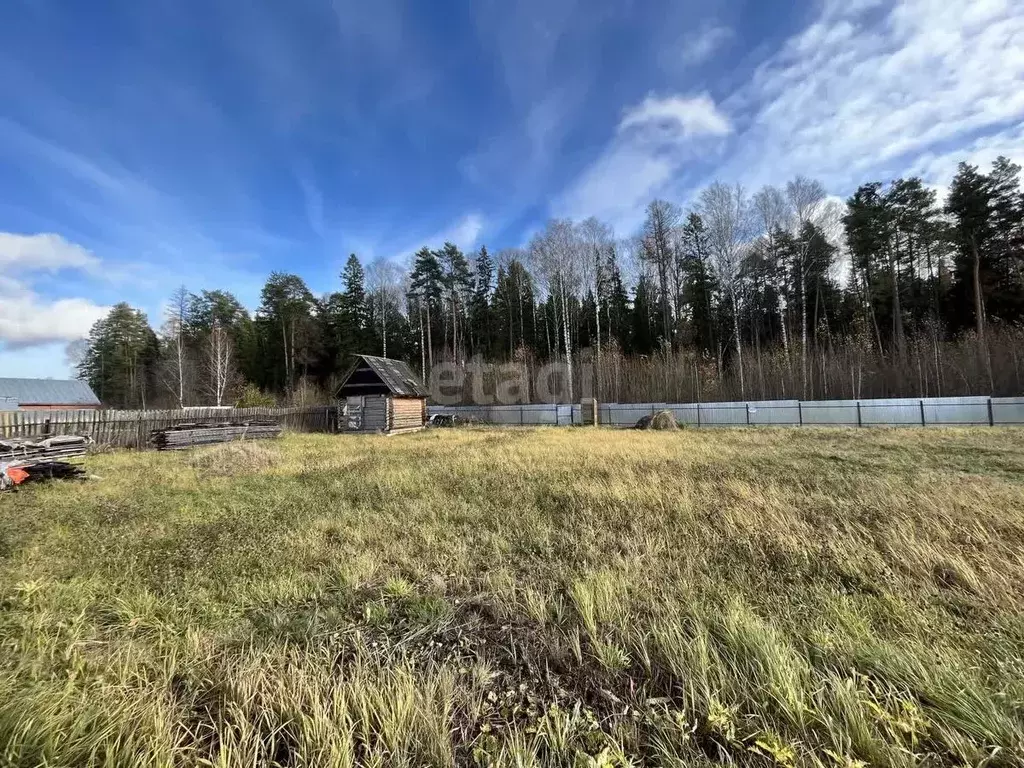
807,203
384,286
597,242
558,254
176,368
658,238
220,367
729,223
773,217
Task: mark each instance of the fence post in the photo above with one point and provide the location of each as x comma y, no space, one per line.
747,406
922,413
800,411
991,419
859,422
698,415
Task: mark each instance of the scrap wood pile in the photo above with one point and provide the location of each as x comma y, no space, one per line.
23,460
20,449
183,436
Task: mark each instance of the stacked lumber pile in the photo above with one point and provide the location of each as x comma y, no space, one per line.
184,436
23,460
20,450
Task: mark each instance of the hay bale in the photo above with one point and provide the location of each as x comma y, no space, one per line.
661,420
240,457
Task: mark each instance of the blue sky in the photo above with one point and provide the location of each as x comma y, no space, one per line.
148,144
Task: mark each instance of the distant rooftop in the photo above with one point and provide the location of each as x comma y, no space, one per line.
27,392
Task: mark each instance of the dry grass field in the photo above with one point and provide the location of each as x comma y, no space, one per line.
549,597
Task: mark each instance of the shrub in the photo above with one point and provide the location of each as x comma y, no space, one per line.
252,396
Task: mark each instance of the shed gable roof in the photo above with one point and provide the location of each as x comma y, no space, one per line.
48,392
395,376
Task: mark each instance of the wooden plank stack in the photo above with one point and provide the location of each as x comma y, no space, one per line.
133,429
184,436
22,451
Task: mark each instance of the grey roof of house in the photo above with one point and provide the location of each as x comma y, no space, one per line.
48,392
397,376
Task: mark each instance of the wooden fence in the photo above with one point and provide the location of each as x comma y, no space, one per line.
131,429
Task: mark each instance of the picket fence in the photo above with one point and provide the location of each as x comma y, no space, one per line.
132,429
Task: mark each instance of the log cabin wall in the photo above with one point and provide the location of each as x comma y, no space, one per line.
406,412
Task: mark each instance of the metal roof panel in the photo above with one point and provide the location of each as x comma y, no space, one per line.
30,392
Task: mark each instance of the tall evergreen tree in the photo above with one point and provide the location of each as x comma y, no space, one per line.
120,358
481,321
427,291
645,317
699,285
353,310
288,329
458,284
970,205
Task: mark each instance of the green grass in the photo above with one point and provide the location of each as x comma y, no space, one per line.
523,597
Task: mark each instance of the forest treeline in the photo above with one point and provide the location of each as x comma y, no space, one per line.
780,293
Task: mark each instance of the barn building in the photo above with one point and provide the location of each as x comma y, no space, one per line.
382,395
46,395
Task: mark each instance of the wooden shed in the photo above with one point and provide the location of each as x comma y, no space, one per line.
382,395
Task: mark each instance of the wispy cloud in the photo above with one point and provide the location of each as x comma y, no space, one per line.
857,95
652,145
696,47
868,90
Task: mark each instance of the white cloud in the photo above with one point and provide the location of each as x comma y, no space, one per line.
652,145
43,252
686,117
28,318
857,97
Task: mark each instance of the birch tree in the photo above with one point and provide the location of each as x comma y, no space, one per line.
806,199
557,254
658,239
773,217
728,222
176,364
597,244
384,281
220,366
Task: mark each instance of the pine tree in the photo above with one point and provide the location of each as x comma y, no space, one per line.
427,283
645,317
458,286
970,205
1005,295
481,321
120,358
616,303
353,310
699,285
287,325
